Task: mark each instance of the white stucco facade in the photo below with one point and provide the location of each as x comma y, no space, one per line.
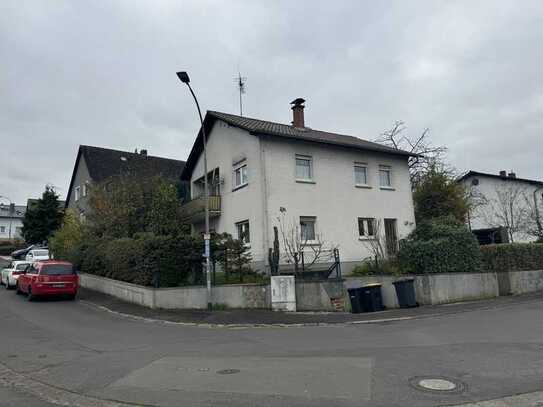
331,198
498,201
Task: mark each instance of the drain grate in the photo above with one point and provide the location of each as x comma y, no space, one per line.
437,384
228,371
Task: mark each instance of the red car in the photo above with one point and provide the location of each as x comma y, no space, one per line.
48,278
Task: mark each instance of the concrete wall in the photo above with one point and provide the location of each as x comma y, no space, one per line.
454,287
521,282
125,291
231,296
318,295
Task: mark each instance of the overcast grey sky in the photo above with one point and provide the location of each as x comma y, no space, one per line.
103,73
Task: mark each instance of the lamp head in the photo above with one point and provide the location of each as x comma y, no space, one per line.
183,76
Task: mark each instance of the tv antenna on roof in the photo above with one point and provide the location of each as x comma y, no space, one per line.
240,83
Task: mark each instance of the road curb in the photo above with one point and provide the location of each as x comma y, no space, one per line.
252,325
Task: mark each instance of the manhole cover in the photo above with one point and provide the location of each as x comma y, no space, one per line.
228,371
437,384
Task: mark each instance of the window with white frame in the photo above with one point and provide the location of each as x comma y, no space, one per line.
243,230
2,229
85,188
307,228
77,193
385,176
366,227
360,174
240,175
304,167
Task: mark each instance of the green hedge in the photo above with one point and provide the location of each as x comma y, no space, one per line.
512,256
440,247
140,260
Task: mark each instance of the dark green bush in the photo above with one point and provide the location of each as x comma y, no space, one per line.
512,256
440,246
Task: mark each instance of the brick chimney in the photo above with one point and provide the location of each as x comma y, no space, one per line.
503,173
298,112
143,152
512,175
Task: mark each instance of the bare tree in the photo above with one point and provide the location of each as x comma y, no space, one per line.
507,209
296,244
427,155
376,244
534,211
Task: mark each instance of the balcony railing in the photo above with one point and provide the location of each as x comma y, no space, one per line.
193,211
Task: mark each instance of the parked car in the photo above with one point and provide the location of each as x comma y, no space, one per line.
37,255
21,253
10,275
48,278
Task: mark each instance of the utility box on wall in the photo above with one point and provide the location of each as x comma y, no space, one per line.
283,293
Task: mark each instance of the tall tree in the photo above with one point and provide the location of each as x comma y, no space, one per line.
44,218
438,195
426,154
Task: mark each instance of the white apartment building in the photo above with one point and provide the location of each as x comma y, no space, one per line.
505,208
332,189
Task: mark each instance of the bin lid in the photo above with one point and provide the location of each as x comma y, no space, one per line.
372,285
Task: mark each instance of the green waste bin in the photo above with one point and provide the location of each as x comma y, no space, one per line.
405,291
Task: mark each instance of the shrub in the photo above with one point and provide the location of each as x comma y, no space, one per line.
65,242
512,256
370,268
440,246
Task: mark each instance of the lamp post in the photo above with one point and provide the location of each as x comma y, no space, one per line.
184,77
10,213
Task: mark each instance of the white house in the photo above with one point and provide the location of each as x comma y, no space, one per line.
505,208
11,221
330,189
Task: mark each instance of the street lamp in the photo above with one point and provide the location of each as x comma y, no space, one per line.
10,213
184,77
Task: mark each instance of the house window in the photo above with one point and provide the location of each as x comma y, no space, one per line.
240,175
307,228
244,233
85,188
77,193
360,174
2,229
304,168
385,176
366,227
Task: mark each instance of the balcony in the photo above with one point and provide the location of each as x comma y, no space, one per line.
193,211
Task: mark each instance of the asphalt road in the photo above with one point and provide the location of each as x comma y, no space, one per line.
62,352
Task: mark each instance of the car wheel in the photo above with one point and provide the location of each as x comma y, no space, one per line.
18,289
7,285
29,296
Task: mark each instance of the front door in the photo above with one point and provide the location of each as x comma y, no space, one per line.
391,237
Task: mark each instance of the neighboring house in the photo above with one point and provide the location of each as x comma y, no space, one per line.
11,221
95,164
329,185
504,208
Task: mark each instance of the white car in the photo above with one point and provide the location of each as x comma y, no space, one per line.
10,275
37,255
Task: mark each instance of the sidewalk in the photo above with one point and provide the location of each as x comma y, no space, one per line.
240,317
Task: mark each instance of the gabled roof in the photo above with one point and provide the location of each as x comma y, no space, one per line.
103,163
497,176
18,211
257,127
